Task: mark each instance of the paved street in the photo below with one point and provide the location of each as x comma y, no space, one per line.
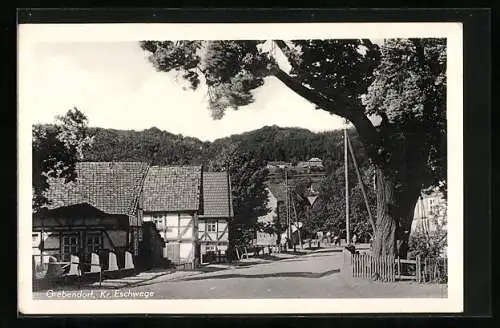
314,275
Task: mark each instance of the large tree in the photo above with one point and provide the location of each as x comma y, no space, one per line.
402,81
56,150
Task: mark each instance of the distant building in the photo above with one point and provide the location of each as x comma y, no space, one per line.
312,164
427,215
275,165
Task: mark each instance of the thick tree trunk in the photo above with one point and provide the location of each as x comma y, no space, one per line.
396,202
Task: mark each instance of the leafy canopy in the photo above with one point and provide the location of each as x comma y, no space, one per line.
56,150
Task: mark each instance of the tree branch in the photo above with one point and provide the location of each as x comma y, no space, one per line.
340,106
309,94
367,132
283,46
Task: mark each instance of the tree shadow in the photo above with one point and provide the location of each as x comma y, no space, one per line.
208,269
266,275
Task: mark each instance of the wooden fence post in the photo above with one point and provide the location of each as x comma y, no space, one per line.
363,265
353,260
373,265
356,264
366,265
390,268
379,269
417,269
399,268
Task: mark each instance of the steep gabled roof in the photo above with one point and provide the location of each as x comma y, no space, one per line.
172,188
217,200
111,187
278,190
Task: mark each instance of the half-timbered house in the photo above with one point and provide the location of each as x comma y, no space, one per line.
172,203
216,213
101,211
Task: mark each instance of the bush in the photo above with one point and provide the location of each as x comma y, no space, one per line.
427,244
431,242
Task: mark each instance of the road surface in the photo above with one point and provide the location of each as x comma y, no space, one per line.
315,275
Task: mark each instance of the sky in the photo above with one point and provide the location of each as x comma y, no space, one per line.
115,86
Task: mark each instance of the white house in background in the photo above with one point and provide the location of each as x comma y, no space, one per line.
427,212
313,163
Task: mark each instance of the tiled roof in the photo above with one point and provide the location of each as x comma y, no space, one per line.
172,188
278,190
111,187
217,200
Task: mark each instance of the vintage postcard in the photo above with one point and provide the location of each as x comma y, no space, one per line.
240,168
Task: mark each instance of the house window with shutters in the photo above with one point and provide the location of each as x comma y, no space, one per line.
70,244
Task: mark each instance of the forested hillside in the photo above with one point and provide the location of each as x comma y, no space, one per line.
270,143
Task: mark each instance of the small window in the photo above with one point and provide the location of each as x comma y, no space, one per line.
211,226
93,242
158,222
70,246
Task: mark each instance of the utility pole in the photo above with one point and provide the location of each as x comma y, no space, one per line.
348,235
287,206
361,185
297,222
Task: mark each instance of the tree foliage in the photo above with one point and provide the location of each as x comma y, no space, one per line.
248,175
409,93
153,146
55,151
328,212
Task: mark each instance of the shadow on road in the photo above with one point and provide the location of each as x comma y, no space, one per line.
266,275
